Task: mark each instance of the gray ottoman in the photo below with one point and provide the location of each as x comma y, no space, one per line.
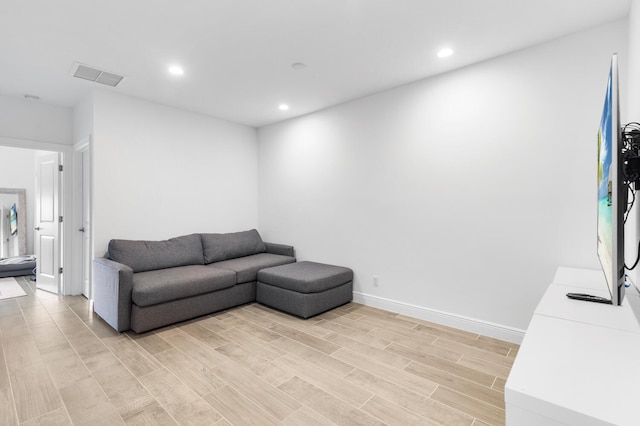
305,289
17,266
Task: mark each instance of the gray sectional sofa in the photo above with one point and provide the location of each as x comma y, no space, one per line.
143,285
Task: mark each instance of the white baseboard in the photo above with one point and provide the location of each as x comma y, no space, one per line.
472,325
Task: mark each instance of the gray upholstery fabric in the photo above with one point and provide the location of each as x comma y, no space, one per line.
112,284
151,255
17,269
280,249
301,304
219,247
145,318
246,268
163,285
306,277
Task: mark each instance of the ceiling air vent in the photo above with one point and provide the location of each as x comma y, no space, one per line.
94,74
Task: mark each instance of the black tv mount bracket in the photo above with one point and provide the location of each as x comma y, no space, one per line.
631,154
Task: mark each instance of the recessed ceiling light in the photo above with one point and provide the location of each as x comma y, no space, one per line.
176,70
283,107
445,52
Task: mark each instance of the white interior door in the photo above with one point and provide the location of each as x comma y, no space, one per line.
86,225
47,235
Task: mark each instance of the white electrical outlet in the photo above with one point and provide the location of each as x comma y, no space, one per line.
375,281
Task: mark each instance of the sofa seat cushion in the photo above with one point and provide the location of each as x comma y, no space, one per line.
151,255
247,267
162,285
219,247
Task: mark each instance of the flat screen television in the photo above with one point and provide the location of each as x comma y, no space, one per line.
611,190
13,220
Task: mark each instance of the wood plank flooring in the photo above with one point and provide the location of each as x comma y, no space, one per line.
60,364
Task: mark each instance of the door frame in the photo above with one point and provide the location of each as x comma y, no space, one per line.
78,183
69,285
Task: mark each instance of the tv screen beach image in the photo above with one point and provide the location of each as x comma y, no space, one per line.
605,208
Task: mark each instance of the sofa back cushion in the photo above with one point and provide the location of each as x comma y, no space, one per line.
218,247
151,255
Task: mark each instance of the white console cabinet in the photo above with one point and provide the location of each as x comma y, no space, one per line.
579,362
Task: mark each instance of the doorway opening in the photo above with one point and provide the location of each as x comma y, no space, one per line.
46,172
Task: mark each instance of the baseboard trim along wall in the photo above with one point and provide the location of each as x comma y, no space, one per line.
472,325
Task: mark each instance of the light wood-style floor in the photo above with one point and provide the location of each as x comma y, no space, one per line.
251,365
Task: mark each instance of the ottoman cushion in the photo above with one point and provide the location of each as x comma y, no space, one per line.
306,277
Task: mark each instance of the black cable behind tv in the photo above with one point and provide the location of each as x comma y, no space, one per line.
631,180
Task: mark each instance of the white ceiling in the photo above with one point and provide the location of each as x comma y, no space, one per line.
237,54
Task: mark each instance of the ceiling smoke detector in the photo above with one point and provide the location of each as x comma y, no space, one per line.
86,72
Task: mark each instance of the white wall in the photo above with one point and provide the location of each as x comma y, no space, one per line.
83,120
161,172
34,121
632,113
633,72
462,192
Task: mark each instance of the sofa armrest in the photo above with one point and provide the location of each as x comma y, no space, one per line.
112,287
281,249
